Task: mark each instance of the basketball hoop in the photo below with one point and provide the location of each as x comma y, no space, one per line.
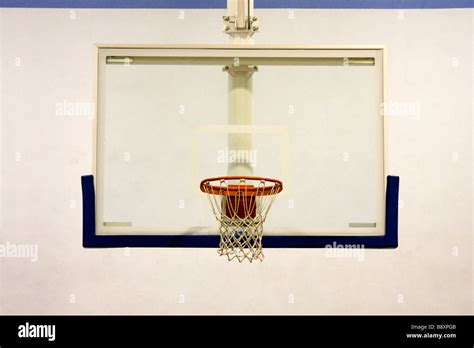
240,205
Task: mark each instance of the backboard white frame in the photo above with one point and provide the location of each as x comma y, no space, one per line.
227,51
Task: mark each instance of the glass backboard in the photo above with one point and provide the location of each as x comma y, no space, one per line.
162,127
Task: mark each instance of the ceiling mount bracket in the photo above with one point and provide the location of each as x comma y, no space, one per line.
240,19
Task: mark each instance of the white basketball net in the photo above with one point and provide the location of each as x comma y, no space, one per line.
240,205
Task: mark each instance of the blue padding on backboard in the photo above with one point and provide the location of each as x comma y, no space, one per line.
88,209
91,240
391,210
221,4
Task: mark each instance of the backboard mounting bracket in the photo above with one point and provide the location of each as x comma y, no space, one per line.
248,69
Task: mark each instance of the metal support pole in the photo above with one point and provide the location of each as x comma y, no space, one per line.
240,25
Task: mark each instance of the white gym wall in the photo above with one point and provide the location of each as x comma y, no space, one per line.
46,76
